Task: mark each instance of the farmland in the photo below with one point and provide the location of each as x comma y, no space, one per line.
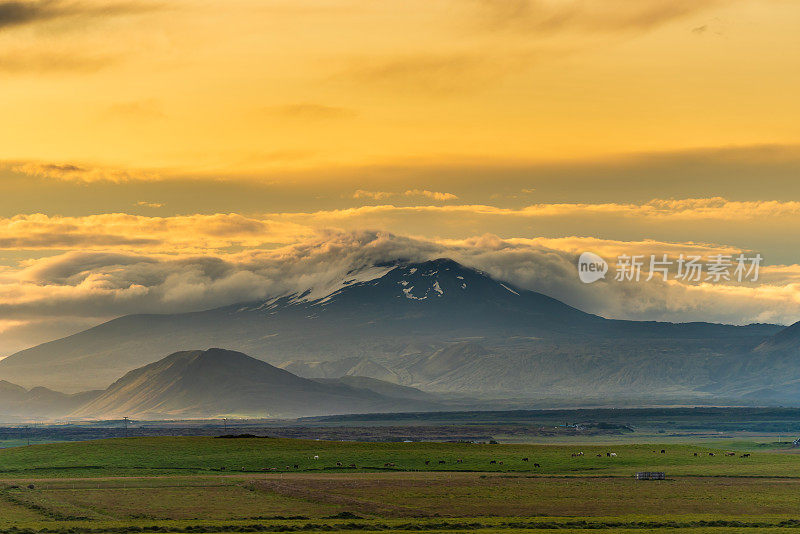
202,484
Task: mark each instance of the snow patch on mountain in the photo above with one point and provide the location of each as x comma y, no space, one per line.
509,289
323,292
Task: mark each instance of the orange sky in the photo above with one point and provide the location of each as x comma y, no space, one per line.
189,129
226,88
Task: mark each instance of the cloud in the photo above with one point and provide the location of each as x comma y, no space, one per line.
100,266
121,231
65,56
82,173
375,195
716,208
93,284
204,232
381,195
435,195
25,12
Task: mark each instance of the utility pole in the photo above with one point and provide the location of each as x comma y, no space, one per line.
125,422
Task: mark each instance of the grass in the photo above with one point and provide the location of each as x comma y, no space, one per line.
179,485
423,495
201,455
182,502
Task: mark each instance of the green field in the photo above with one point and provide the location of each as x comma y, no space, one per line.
249,485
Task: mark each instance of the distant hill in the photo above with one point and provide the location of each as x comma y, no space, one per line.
17,402
441,327
218,382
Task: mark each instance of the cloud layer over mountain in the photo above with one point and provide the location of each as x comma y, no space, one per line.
84,287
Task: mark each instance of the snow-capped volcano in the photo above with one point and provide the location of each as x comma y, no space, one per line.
371,311
434,324
432,279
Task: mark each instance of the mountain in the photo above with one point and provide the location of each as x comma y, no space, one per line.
217,382
38,403
438,326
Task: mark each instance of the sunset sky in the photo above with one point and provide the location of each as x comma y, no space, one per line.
173,156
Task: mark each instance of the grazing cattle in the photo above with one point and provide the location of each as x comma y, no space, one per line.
599,455
296,466
459,461
695,454
730,454
663,451
613,454
608,455
338,464
501,462
442,462
316,457
745,455
222,468
427,462
524,459
352,466
711,454
388,464
536,465
493,461
31,486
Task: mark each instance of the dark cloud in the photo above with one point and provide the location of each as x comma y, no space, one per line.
24,12
19,13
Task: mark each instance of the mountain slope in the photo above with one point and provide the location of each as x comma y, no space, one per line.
218,382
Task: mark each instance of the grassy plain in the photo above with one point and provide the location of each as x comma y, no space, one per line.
199,484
